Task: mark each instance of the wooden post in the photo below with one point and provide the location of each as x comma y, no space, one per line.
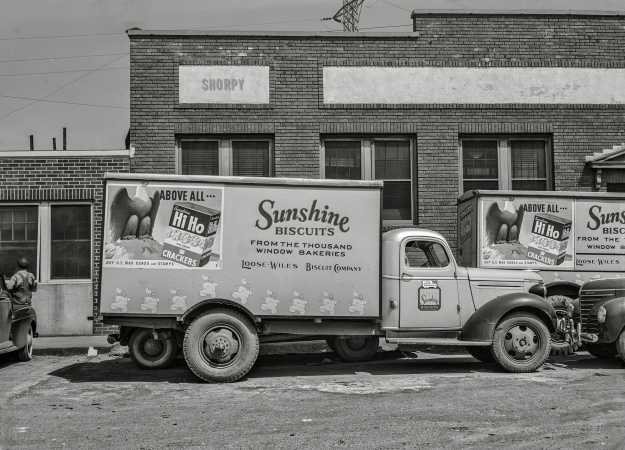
64,138
32,144
53,143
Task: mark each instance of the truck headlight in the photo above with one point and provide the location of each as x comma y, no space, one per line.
601,313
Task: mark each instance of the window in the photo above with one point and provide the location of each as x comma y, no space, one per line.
19,227
55,237
70,240
237,157
515,162
387,159
425,254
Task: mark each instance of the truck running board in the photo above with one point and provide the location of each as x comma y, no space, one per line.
430,341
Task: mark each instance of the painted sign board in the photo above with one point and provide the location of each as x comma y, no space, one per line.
564,236
223,84
473,85
277,250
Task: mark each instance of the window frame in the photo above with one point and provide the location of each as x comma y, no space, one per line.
504,158
44,240
367,169
225,155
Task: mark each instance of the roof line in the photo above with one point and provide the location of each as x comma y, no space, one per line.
513,12
134,32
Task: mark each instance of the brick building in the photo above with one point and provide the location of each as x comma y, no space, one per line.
51,213
506,100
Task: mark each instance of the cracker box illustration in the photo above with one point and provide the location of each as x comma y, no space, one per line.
191,234
549,239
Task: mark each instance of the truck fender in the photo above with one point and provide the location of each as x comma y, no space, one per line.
481,325
614,323
200,308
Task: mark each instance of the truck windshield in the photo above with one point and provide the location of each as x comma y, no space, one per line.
425,254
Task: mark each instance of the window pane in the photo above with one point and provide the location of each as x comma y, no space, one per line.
472,185
18,237
343,160
396,198
250,158
425,254
529,185
71,242
479,160
616,187
528,159
200,158
392,160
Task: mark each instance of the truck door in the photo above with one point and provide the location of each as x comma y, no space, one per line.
428,286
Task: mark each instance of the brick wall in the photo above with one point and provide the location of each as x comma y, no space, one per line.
62,179
298,118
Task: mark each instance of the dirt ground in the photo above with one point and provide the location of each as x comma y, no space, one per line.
400,400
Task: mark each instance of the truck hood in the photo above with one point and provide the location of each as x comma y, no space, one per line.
502,275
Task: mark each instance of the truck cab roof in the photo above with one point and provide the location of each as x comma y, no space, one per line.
399,234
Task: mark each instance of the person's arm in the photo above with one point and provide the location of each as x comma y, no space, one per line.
11,282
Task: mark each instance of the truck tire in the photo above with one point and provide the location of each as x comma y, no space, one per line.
620,345
221,346
602,350
149,353
356,348
481,354
521,342
26,352
559,346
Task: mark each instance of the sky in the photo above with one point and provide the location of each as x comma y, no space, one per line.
65,63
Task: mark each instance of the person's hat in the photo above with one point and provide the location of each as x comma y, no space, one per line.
23,263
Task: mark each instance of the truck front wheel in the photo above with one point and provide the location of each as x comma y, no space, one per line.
149,353
356,348
521,342
221,346
602,350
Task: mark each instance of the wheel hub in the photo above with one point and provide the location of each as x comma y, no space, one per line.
220,345
153,347
521,342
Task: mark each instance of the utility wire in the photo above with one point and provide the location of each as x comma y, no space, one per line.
62,71
62,57
396,6
43,98
66,103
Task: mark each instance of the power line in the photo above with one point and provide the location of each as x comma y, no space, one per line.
62,57
59,36
41,99
392,4
387,26
62,71
66,103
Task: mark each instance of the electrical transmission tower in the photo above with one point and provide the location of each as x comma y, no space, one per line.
349,14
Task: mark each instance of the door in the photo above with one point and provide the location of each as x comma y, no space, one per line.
6,317
428,286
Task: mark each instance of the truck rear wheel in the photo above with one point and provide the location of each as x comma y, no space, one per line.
221,346
602,350
481,353
559,345
521,342
149,353
356,348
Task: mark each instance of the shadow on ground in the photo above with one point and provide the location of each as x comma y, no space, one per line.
322,364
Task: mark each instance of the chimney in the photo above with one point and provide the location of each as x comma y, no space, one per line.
32,144
53,143
64,138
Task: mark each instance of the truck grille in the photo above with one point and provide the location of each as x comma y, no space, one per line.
589,322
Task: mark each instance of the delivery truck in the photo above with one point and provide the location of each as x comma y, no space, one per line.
569,238
215,266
